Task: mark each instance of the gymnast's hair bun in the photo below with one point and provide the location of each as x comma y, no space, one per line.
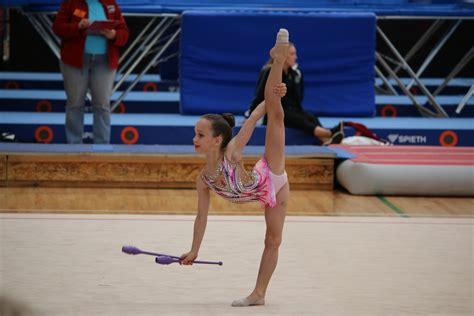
230,119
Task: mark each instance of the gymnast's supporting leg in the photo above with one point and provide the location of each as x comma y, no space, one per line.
275,154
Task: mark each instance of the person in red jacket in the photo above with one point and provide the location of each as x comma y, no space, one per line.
89,60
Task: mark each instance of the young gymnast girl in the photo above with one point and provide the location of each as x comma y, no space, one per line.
225,174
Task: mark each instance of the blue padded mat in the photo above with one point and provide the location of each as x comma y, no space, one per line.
404,100
341,153
175,97
61,95
24,118
461,82
173,129
222,54
56,76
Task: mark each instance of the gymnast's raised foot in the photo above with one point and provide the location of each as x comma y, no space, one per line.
279,51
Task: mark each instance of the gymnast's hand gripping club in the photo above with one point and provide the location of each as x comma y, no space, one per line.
161,258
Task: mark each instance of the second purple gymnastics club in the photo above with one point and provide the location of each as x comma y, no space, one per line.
161,258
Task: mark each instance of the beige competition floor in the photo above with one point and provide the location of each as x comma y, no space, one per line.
71,264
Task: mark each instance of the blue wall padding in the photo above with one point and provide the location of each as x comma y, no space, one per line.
223,52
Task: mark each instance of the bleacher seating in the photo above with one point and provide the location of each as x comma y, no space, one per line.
351,68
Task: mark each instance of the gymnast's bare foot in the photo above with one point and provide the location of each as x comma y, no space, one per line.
251,300
279,51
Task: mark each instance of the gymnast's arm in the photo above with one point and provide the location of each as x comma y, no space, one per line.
237,144
199,223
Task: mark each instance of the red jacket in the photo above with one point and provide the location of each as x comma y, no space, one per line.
73,40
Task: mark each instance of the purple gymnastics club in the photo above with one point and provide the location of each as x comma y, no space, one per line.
131,250
169,260
166,260
161,258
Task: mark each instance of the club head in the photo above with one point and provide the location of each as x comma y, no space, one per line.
131,250
165,260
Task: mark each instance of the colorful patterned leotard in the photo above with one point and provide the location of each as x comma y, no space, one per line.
230,186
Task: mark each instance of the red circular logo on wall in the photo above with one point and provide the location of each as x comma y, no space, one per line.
44,134
448,139
129,135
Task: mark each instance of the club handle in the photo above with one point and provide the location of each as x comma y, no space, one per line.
208,262
159,255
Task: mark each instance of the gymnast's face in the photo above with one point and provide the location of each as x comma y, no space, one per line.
203,140
291,57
